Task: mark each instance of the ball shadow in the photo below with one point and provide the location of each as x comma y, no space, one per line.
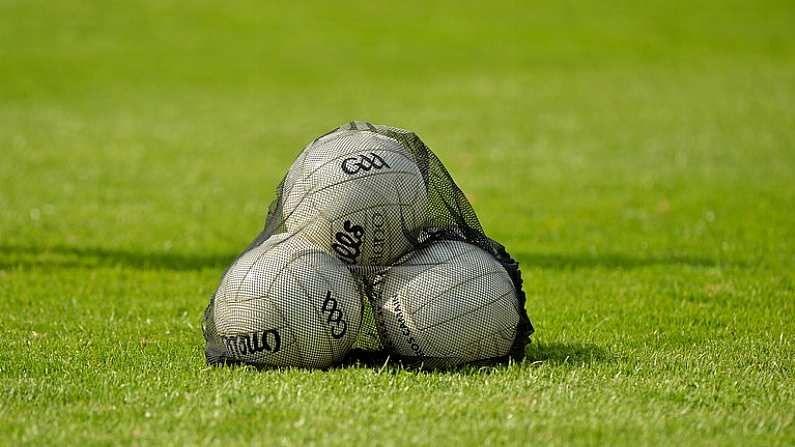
65,256
536,354
566,354
570,261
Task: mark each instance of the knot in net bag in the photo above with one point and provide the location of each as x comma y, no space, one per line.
369,248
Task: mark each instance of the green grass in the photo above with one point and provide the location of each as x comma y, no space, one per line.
637,159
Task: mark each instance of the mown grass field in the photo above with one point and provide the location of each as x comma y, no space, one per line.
637,158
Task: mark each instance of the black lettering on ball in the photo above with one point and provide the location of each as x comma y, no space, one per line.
363,162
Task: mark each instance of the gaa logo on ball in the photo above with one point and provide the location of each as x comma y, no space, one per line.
358,205
363,162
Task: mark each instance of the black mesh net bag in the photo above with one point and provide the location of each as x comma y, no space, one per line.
369,250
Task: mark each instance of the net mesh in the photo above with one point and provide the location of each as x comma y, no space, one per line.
369,250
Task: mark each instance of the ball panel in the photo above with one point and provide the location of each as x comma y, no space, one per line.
269,308
360,193
471,327
397,327
450,299
336,316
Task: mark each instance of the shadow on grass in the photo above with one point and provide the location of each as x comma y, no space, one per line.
62,256
566,353
536,354
612,260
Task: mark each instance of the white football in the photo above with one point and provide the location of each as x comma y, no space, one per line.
288,303
450,301
358,195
